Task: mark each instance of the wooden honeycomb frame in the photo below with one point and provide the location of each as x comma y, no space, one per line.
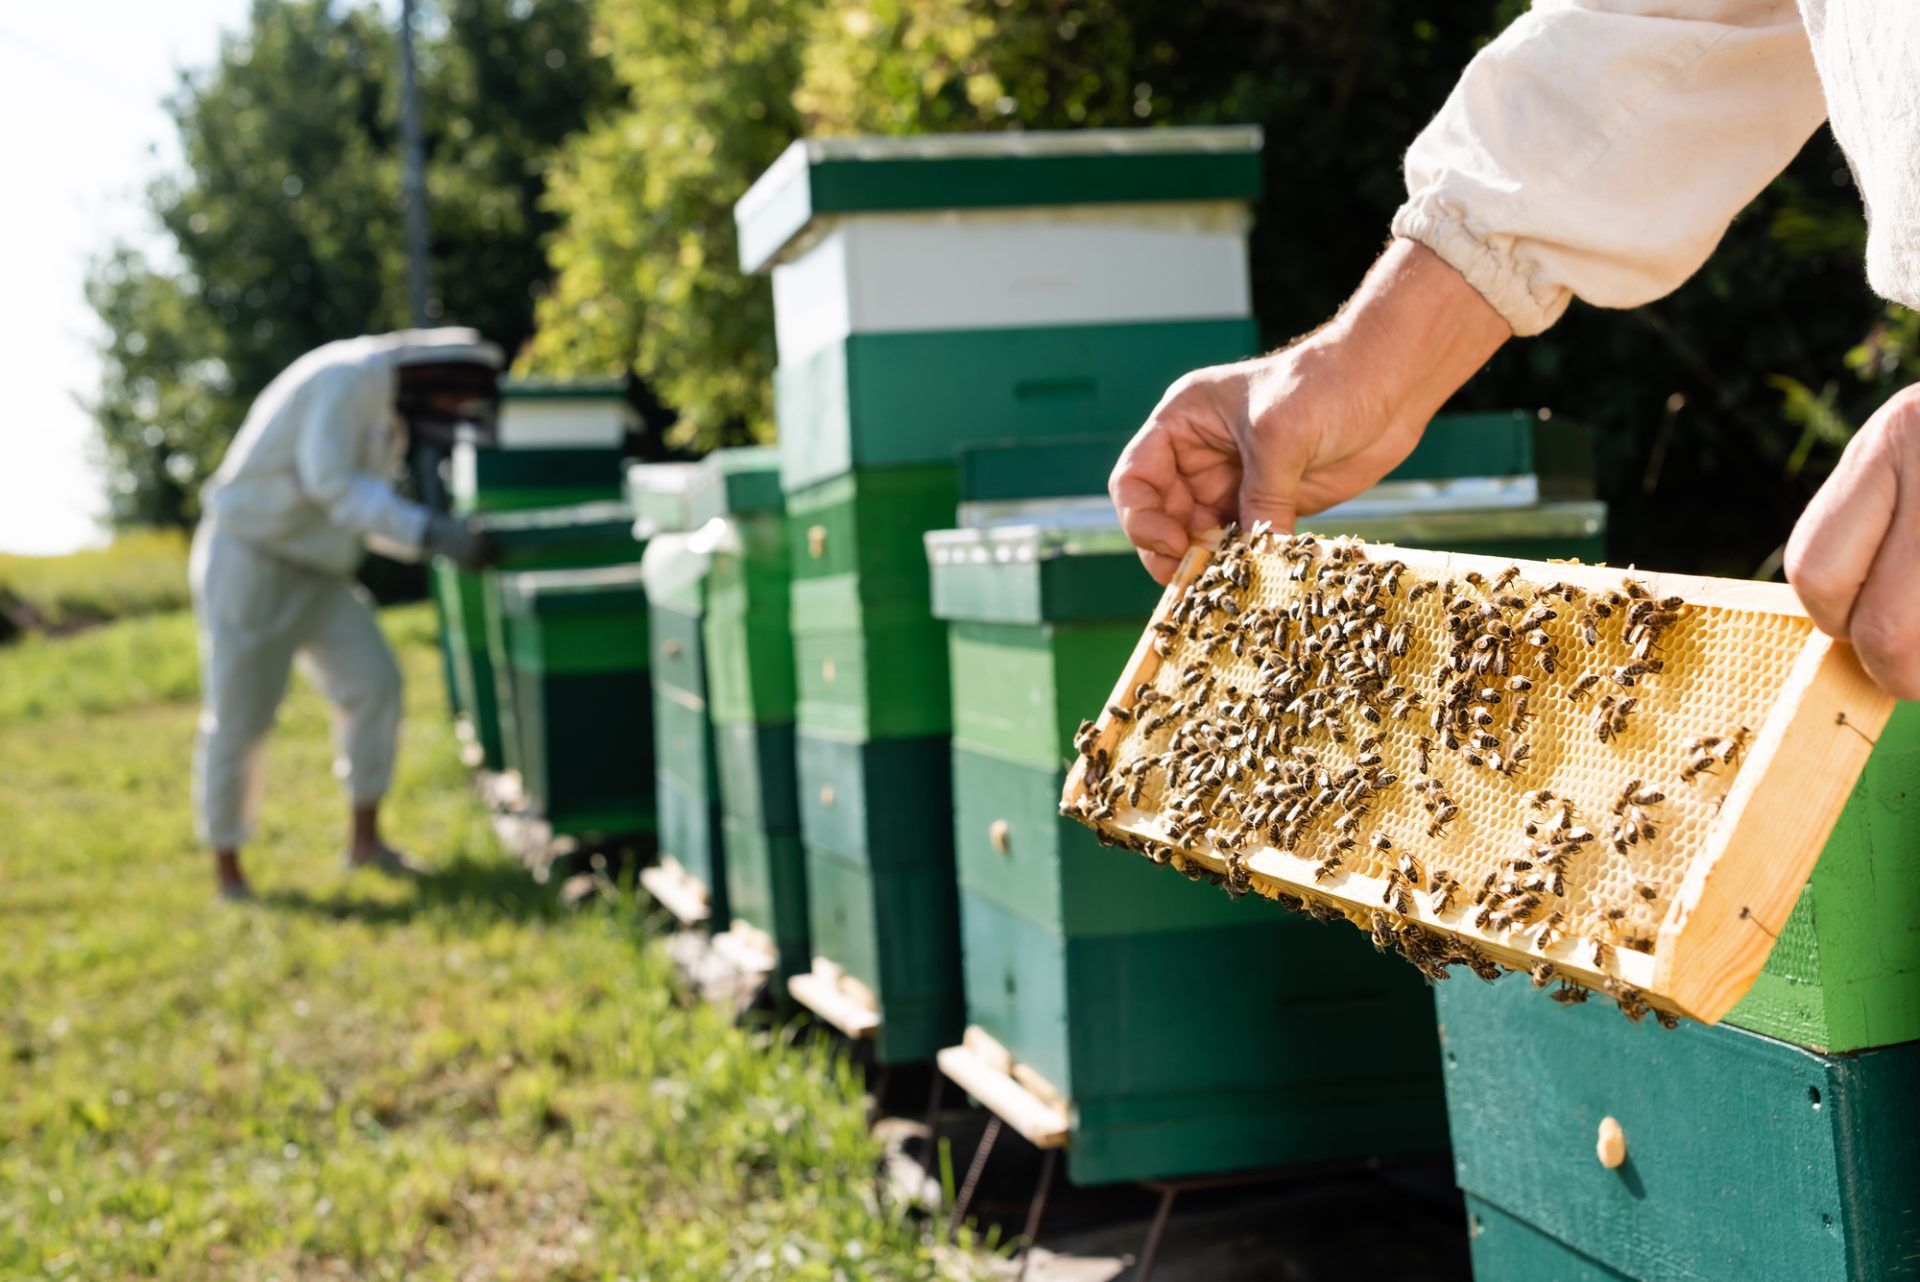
1737,881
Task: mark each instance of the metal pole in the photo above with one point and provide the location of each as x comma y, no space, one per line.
413,175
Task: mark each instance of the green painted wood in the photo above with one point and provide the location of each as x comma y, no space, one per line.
581,536
1159,1038
684,742
815,178
1049,467
757,776
586,760
894,927
679,649
1746,1157
605,632
767,889
884,678
890,400
733,482
493,480
750,678
870,524
1055,589
1510,1250
1053,872
1845,972
691,833
1021,691
884,801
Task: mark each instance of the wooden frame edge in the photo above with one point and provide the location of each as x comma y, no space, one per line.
1801,768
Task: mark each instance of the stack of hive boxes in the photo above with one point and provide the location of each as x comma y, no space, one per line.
930,293
1778,1144
557,444
739,507
690,878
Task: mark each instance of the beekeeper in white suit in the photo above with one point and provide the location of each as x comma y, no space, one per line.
306,487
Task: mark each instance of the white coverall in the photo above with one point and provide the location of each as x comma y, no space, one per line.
1599,148
306,485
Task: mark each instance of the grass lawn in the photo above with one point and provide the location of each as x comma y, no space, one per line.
353,1079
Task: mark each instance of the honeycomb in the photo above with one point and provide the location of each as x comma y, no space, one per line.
1531,760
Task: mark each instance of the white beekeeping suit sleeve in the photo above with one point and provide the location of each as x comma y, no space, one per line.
1600,148
332,456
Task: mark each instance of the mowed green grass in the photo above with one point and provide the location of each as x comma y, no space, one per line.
353,1079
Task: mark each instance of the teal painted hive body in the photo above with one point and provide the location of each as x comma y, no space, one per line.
496,480
1745,1157
576,644
578,536
1186,1032
1845,973
687,775
750,698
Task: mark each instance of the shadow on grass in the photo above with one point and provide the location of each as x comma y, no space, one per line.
468,885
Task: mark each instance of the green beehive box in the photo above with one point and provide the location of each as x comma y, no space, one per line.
676,570
910,317
1845,973
875,817
1745,1157
758,778
660,496
893,400
767,889
1216,1048
580,536
1077,959
495,480
576,643
869,526
893,928
867,671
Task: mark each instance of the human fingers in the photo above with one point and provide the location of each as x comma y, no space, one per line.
1885,624
1833,546
1160,567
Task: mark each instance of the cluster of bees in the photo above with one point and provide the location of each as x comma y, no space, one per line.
1294,756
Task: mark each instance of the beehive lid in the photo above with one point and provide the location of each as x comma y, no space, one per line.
819,178
544,413
737,481
658,493
552,593
1679,828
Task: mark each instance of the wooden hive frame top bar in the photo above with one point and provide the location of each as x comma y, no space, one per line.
1781,717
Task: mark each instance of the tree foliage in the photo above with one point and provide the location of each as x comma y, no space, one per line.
1699,452
283,231
647,263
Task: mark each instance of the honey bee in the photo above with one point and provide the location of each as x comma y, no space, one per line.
1380,841
1420,589
1542,974
1505,577
1602,953
1549,931
1569,994
1327,867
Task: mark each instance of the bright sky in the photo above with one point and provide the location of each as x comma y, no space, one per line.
82,131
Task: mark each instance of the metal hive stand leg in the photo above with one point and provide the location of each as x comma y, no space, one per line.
979,1164
1037,1209
1156,1232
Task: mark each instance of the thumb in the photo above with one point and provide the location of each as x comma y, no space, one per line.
1270,491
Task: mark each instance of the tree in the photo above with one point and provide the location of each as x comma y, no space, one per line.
285,225
647,263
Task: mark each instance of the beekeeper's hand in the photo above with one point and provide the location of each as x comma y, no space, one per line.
461,541
1313,424
1854,557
